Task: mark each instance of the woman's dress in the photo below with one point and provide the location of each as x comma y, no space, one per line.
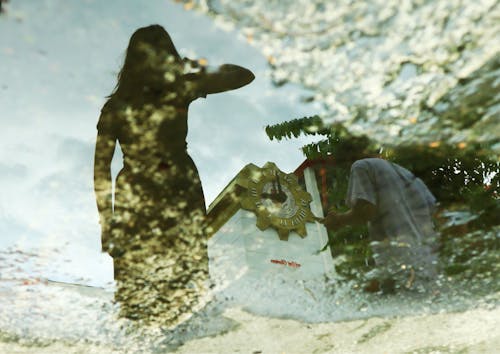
157,238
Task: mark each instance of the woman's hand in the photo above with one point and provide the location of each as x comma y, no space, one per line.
194,66
105,238
105,233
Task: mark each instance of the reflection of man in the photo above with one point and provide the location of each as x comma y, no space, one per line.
398,208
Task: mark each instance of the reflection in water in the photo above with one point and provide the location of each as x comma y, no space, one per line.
155,229
36,316
398,207
464,178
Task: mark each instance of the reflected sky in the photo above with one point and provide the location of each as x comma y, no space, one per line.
59,62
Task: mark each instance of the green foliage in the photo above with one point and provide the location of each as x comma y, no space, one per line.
348,148
307,125
464,179
339,141
451,173
352,244
339,179
473,255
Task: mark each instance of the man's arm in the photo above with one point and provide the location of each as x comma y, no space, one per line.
361,197
362,212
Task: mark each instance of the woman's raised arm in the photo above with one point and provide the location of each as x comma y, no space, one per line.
224,78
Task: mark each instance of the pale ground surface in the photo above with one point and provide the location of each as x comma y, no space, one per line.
56,318
472,331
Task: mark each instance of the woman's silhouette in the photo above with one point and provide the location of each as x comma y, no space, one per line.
155,229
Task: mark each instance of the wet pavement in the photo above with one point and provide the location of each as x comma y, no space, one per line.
397,75
36,313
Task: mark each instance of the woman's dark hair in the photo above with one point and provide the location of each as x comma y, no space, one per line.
151,43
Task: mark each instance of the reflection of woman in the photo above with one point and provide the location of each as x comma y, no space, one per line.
154,232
